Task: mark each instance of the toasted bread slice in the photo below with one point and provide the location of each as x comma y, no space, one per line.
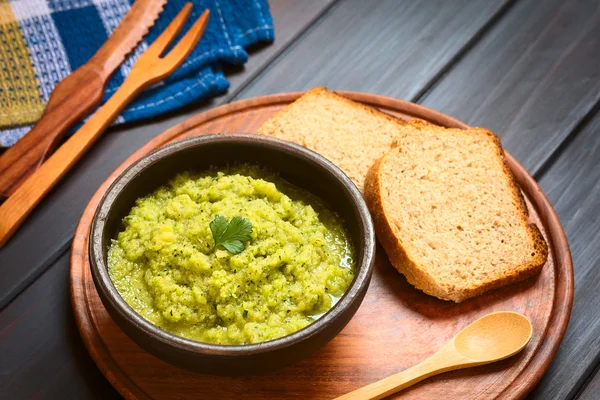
449,214
351,135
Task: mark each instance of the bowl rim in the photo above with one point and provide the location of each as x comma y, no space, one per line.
104,283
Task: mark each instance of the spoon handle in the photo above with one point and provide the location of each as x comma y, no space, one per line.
446,359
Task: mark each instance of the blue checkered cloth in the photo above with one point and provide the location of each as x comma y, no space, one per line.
61,35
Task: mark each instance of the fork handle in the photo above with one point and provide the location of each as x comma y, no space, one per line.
72,99
20,204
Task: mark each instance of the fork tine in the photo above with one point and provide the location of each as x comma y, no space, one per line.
170,32
185,46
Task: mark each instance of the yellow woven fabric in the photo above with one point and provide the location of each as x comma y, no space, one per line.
20,99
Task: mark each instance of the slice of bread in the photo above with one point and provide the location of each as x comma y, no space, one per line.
351,135
449,214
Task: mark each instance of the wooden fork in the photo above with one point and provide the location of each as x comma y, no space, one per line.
148,69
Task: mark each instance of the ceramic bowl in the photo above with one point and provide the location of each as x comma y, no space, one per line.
296,164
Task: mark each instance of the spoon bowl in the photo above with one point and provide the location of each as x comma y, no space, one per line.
494,337
491,338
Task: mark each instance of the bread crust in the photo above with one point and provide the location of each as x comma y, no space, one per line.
389,237
319,91
323,91
352,150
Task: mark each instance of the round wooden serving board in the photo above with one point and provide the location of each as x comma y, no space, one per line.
396,327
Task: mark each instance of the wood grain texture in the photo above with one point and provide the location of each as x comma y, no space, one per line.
592,390
531,79
50,227
48,233
75,96
43,355
395,48
573,186
393,312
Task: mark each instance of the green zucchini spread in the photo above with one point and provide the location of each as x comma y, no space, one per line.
293,265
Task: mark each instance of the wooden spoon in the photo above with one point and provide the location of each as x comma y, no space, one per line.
491,338
151,67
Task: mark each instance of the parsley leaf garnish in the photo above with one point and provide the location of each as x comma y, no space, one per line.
231,235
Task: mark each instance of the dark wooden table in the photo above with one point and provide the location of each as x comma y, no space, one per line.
527,69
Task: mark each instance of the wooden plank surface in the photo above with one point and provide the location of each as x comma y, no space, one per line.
572,185
395,49
43,355
527,69
48,231
531,79
592,390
